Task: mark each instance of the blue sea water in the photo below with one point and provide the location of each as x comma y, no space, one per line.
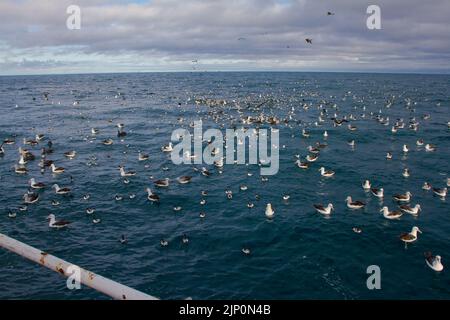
300,254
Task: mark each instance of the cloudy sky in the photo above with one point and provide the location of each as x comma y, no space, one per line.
186,35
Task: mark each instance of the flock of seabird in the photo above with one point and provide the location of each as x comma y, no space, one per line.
313,152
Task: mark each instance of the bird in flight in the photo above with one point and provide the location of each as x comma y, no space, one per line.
329,13
308,40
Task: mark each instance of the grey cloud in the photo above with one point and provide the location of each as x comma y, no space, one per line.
414,34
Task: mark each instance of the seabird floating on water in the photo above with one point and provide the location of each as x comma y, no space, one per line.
406,173
391,214
184,179
108,142
324,210
354,204
411,210
36,185
326,173
405,148
167,148
426,186
152,196
20,170
434,262
410,237
124,173
61,191
430,147
270,213
442,192
143,156
403,197
302,165
57,224
70,154
366,185
162,183
56,169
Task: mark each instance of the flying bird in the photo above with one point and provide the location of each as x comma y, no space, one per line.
308,40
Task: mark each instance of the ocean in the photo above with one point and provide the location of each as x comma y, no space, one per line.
299,254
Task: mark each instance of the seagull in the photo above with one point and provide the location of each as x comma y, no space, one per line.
326,173
122,239
311,158
30,197
70,154
411,210
205,172
302,165
329,13
388,156
357,230
59,190
324,210
391,214
56,169
167,148
108,142
163,183
246,251
405,148
36,185
152,196
143,156
124,173
57,224
426,186
406,173
403,197
378,192
434,262
20,170
440,192
430,147
184,179
305,133
308,40
270,213
354,204
410,237
366,186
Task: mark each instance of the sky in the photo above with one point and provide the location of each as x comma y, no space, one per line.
223,35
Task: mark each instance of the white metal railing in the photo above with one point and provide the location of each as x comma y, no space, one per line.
109,287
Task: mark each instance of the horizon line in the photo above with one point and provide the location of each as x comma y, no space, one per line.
227,71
